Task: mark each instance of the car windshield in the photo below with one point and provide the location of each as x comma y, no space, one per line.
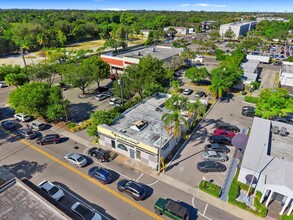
53,190
79,159
29,132
85,212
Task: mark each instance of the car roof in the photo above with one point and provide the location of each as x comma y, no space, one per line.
176,208
52,135
74,155
136,186
103,171
46,185
211,152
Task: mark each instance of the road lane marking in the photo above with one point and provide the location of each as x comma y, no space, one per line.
139,177
66,165
205,209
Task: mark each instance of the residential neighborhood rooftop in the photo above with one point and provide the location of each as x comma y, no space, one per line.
249,67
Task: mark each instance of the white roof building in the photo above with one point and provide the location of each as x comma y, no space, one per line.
260,58
250,71
286,74
268,158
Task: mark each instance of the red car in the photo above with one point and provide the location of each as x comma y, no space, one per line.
225,133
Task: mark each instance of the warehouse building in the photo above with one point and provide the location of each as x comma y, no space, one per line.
286,74
238,28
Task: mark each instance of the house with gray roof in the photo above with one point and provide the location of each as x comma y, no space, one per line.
267,164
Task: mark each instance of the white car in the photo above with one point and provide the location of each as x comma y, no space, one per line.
187,91
22,117
112,101
54,191
85,212
3,84
76,159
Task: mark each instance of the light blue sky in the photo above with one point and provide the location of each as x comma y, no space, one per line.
179,5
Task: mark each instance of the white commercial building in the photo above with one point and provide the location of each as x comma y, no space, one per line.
239,28
260,58
286,74
139,132
179,30
250,71
268,162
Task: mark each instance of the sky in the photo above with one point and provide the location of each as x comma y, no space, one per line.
168,5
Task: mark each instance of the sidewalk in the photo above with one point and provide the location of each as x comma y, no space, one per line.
231,209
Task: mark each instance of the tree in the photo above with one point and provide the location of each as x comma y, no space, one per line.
99,68
229,34
7,69
16,79
196,74
175,84
173,121
196,107
39,99
220,55
176,102
101,117
274,102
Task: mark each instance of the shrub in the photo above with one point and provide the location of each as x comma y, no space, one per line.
255,85
251,99
210,188
262,209
234,190
286,217
71,125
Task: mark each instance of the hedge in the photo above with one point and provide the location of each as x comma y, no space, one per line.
210,188
234,190
259,206
286,217
251,99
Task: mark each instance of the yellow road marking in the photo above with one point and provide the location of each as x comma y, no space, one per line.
146,211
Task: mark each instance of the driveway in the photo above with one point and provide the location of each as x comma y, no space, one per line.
183,167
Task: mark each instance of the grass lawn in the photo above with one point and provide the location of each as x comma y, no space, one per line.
87,45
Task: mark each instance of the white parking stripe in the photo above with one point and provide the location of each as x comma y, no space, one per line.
203,215
204,212
139,177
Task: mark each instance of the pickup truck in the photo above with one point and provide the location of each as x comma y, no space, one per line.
172,209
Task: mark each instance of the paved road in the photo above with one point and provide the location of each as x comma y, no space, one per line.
26,159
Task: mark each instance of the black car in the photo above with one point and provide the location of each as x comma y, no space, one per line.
220,140
134,189
8,125
248,113
101,154
227,127
101,89
284,120
49,139
211,166
217,148
246,108
199,94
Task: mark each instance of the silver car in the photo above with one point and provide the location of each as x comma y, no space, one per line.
101,97
85,212
27,133
22,117
214,156
76,159
52,190
37,126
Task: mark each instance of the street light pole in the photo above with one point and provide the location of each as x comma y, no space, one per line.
121,87
159,153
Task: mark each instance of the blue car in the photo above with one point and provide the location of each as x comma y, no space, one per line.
101,174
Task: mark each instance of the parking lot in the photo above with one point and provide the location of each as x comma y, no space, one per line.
183,166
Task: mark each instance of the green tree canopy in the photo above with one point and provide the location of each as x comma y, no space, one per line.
8,69
16,79
195,74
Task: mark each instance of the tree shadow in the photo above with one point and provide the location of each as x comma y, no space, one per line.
71,197
25,169
80,111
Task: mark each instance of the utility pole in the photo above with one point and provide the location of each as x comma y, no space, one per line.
159,153
22,55
120,83
126,41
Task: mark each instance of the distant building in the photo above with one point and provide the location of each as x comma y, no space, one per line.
139,132
206,25
145,32
120,61
179,30
286,76
259,58
259,19
267,163
239,28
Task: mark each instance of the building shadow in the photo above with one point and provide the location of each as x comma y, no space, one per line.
192,211
25,169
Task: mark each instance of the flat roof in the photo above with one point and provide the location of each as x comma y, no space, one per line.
17,201
239,23
260,58
249,68
160,52
269,153
150,111
287,67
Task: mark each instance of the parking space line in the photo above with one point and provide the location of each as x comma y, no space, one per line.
80,200
205,209
97,183
150,184
139,177
203,215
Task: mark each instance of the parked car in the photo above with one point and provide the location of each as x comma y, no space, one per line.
76,159
220,140
187,91
101,89
101,174
9,125
217,147
38,126
27,133
214,156
219,132
49,139
52,190
22,117
248,113
134,189
112,101
99,153
284,120
245,108
118,103
101,97
85,212
172,209
227,127
199,94
113,76
211,166
3,84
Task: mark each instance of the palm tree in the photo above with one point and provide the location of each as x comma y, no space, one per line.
173,122
176,102
196,108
